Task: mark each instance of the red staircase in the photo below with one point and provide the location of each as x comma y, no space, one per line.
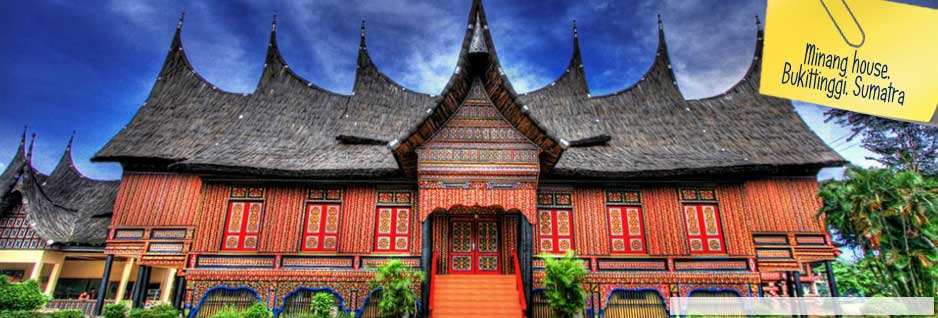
475,296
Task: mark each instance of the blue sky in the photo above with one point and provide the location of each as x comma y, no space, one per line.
89,65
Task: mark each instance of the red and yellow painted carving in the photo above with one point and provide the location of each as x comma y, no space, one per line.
554,231
704,231
626,229
392,230
243,225
322,227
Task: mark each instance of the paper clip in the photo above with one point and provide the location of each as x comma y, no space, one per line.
862,34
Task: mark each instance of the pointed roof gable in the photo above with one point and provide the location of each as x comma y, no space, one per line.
183,114
477,59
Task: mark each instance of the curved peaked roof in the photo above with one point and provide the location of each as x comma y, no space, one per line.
64,206
289,127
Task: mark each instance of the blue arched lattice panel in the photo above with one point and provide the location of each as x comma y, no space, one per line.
369,307
219,297
297,303
628,303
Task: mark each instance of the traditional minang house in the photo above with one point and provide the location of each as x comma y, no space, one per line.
53,229
292,189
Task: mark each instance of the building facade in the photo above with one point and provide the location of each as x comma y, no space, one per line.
293,189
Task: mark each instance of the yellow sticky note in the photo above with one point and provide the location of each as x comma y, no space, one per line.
870,56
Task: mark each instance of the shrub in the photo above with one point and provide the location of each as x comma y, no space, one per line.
21,296
322,305
19,314
563,284
158,311
395,280
68,313
118,310
257,310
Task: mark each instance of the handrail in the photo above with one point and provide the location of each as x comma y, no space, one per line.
433,268
520,284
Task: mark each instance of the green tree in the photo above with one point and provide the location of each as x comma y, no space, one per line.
563,284
21,296
892,218
322,305
396,280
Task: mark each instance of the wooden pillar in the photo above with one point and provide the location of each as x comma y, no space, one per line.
139,287
166,286
831,281
125,279
426,259
54,277
145,283
102,290
179,292
525,254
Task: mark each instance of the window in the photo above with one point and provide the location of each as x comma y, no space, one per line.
555,231
626,229
321,232
392,231
242,225
704,230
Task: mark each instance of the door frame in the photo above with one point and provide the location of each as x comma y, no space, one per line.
474,254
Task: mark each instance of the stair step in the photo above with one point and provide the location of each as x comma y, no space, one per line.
480,311
451,293
502,297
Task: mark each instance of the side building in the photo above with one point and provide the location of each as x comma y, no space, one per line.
53,228
291,190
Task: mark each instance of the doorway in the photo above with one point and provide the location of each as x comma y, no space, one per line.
474,246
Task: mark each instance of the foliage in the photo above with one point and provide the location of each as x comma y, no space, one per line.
563,284
68,313
892,217
21,295
228,311
158,311
395,280
118,310
899,145
322,305
257,310
853,278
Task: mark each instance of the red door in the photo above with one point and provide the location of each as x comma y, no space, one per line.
473,246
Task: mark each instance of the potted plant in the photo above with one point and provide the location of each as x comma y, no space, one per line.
563,284
395,280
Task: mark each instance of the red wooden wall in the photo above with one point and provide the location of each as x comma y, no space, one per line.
784,205
156,199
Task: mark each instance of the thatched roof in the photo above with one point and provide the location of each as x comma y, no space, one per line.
289,127
64,206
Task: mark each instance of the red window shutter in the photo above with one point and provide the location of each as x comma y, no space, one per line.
554,231
321,227
704,229
392,229
626,229
242,225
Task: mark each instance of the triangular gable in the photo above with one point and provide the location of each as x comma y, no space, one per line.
477,61
478,158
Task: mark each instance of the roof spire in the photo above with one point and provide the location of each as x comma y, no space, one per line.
23,138
182,17
68,147
575,34
29,153
660,24
273,24
361,41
